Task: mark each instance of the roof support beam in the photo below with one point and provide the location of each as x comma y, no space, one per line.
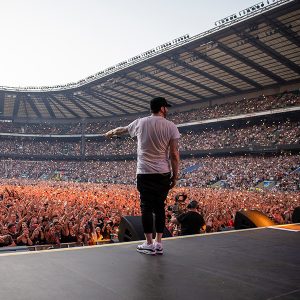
157,89
263,47
113,98
194,82
48,106
204,74
2,95
88,104
93,93
16,106
25,105
133,89
289,34
33,106
72,112
146,74
56,105
70,97
250,63
143,105
93,104
223,67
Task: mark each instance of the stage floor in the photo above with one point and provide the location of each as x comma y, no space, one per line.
252,264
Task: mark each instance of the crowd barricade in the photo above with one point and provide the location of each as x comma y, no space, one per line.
13,249
54,246
48,246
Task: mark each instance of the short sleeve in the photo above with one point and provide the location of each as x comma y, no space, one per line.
132,128
175,133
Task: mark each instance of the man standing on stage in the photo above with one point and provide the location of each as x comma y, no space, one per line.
157,140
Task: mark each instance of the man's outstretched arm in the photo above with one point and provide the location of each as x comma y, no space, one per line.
116,131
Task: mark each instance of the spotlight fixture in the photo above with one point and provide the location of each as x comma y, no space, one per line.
252,8
226,20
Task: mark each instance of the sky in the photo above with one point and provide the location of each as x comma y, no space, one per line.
51,42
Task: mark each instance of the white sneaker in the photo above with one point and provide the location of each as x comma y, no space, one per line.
146,248
158,248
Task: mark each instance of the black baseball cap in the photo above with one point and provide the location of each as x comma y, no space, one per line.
158,102
193,204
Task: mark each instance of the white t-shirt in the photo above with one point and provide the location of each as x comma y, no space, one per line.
154,134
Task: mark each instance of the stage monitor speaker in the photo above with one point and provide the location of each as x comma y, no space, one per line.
251,219
131,229
296,215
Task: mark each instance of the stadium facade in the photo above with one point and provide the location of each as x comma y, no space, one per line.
251,52
238,82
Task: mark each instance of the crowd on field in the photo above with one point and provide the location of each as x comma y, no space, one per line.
37,213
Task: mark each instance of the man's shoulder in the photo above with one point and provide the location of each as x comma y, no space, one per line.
169,124
141,120
182,216
145,119
194,214
155,119
132,126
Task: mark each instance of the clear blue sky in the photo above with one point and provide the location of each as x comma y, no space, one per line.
48,42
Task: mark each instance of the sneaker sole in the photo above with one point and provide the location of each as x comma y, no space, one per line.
148,252
159,252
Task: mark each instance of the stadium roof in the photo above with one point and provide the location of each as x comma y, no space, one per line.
249,51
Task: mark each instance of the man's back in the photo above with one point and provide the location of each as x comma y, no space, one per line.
191,222
153,134
156,138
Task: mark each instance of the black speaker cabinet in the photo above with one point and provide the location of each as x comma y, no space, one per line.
296,215
251,219
131,229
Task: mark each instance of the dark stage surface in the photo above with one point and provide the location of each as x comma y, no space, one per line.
251,264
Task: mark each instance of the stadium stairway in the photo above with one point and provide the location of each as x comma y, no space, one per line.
220,184
191,169
266,184
297,170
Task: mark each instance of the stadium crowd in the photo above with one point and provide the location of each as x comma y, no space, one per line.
243,172
54,202
241,106
35,147
37,213
251,135
211,138
88,171
195,172
254,135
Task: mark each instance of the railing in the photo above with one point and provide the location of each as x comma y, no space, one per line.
243,116
49,246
